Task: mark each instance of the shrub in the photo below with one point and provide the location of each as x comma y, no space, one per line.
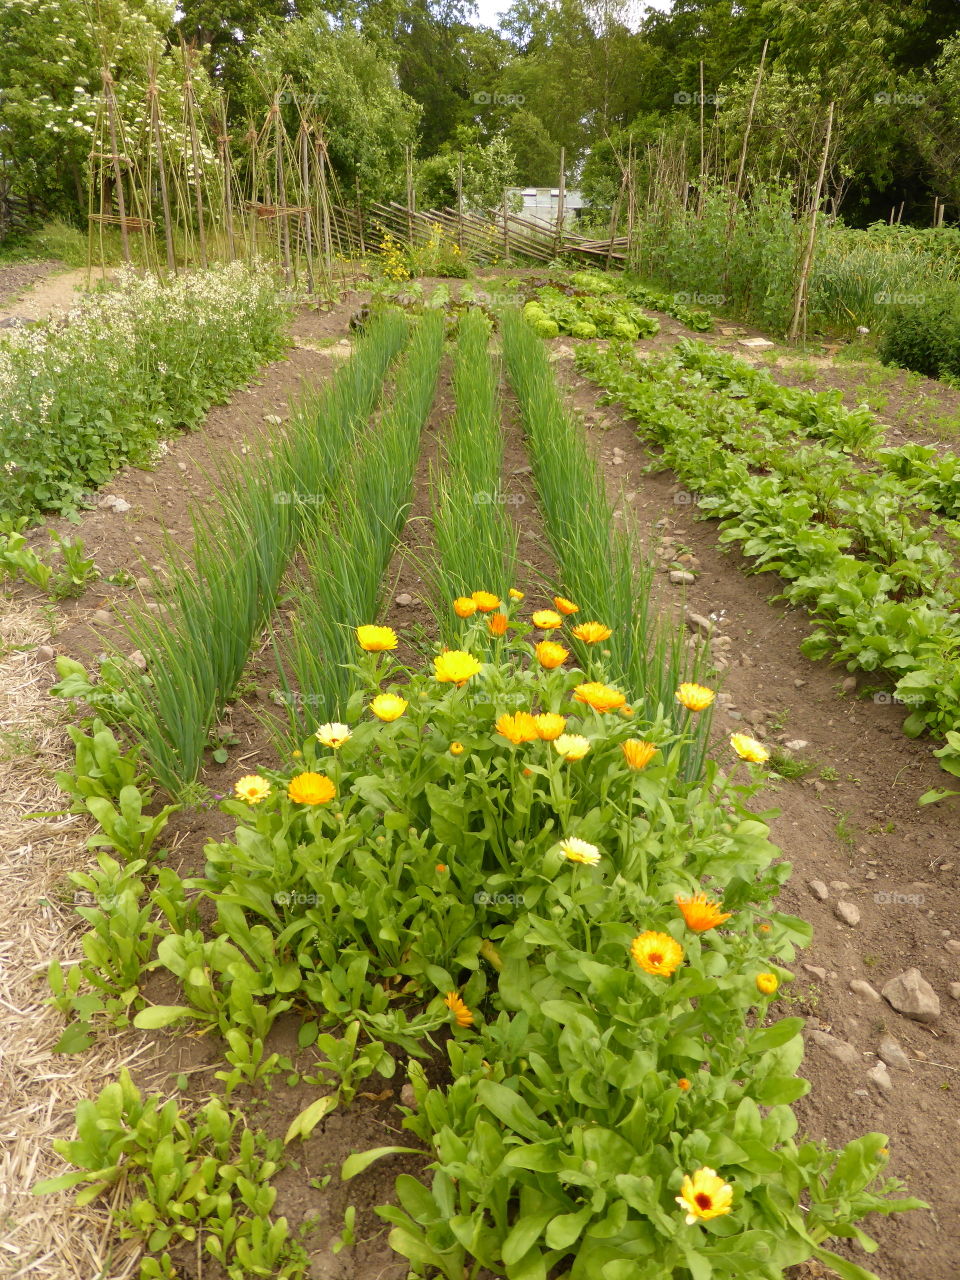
925,337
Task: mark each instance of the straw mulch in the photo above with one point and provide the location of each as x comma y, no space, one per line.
45,1238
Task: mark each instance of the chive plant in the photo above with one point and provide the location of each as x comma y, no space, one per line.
219,595
599,563
340,585
476,541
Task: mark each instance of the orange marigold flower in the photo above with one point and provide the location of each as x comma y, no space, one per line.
695,697
441,867
376,639
683,1083
550,726
701,913
518,727
764,928
459,1010
656,953
591,632
464,607
638,753
564,606
550,655
599,696
767,984
546,619
497,624
486,601
311,788
454,666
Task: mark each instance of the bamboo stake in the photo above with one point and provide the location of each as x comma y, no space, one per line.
814,208
117,177
195,153
226,161
702,177
363,249
562,192
460,201
162,170
280,139
506,225
306,200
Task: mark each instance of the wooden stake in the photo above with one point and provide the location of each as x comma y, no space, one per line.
306,200
808,255
115,158
162,169
460,201
226,162
562,193
702,177
195,153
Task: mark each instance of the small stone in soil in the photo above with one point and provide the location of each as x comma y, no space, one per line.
847,912
796,744
137,660
798,684
838,1049
861,988
892,1054
954,989
101,618
910,994
840,886
849,685
816,972
697,622
404,598
880,1076
680,578
953,946
819,889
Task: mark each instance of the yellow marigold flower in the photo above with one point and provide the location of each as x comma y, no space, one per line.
296,754
497,624
626,712
575,850
516,595
251,788
656,953
767,984
550,655
464,607
454,666
591,632
572,746
764,928
456,748
550,726
311,788
683,1083
546,619
705,1195
376,639
701,913
333,735
695,697
459,1010
564,606
638,753
748,748
485,601
599,696
518,727
388,706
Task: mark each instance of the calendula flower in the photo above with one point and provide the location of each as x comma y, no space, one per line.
550,655
705,1195
518,727
376,639
572,746
748,748
591,632
701,913
251,788
453,666
683,1083
546,619
464,607
515,595
695,697
564,606
459,1010
441,867
311,788
485,601
764,928
575,850
497,624
456,748
388,706
638,753
625,713
550,726
333,735
767,984
599,696
656,953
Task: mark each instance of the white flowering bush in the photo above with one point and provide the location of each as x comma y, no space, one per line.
132,365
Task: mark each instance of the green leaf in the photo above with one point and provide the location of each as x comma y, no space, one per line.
305,1123
163,1015
568,1227
361,1160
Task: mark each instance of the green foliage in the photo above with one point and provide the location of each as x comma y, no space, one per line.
583,315
925,336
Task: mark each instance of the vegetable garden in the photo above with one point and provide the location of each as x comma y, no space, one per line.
505,875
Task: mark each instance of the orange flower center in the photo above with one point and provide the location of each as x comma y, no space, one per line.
655,957
703,1200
